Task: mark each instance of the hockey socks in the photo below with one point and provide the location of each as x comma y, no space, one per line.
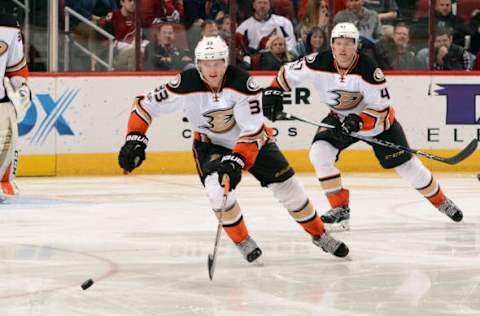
308,218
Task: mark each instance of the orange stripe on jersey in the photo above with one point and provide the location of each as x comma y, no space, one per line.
248,146
17,69
372,118
137,124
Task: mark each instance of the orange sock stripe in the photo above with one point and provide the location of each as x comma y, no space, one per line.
7,188
314,227
237,232
437,199
340,198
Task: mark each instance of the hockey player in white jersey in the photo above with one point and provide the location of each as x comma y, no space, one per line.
355,90
15,99
223,104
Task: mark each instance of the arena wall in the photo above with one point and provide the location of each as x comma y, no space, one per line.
78,122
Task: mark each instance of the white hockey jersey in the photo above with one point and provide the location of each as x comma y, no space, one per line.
254,31
362,90
12,59
231,116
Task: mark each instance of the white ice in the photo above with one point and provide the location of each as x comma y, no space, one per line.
145,241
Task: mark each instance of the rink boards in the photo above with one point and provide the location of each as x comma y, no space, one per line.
77,124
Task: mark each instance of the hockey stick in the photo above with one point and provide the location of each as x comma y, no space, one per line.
463,154
212,258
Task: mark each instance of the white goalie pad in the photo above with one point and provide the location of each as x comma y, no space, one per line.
8,149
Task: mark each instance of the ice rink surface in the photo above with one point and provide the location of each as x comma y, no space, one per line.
145,240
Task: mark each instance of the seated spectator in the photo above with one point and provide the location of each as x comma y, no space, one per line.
474,27
316,15
155,12
121,23
387,9
162,54
225,28
255,31
367,21
394,53
448,56
85,34
196,10
315,42
209,28
276,54
445,18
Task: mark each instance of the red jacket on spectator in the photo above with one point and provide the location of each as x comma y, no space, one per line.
123,28
160,9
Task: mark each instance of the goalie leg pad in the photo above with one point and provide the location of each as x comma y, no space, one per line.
8,152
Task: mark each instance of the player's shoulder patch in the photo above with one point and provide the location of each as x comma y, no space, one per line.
187,81
240,80
369,70
322,61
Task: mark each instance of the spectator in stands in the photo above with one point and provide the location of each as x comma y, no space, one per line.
316,41
209,28
367,21
85,34
474,27
448,56
155,11
225,25
445,18
276,53
394,53
316,15
162,54
196,10
387,9
255,31
121,23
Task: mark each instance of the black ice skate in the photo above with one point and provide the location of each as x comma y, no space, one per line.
249,249
337,219
451,210
331,245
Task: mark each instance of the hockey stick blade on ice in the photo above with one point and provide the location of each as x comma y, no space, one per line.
212,257
462,155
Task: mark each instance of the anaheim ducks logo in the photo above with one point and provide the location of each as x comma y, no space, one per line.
311,58
220,121
346,100
252,85
3,47
175,82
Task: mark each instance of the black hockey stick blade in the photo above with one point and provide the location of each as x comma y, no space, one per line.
465,153
211,266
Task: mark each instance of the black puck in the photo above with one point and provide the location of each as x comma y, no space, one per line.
87,284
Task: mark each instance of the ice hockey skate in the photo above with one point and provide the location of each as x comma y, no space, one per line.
249,249
331,245
337,219
451,210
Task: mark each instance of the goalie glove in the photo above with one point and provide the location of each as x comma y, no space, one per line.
20,96
132,153
231,165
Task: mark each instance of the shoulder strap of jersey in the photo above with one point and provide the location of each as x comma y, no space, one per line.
8,20
240,81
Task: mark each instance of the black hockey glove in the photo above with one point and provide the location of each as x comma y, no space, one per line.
132,153
272,103
352,124
231,165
